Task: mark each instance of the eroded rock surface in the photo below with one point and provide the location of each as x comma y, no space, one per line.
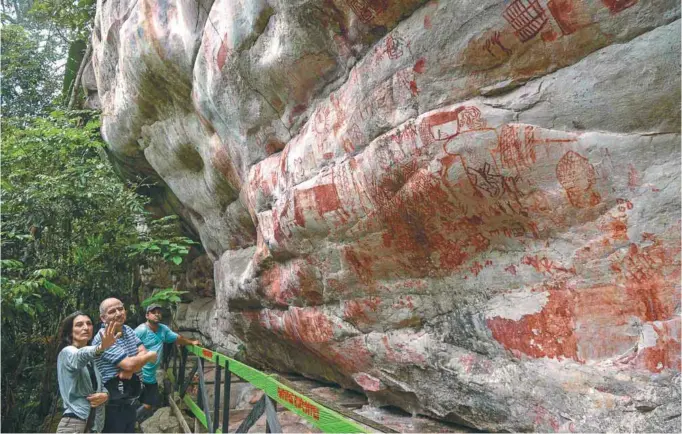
469,210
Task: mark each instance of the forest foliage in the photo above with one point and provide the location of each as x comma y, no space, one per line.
72,233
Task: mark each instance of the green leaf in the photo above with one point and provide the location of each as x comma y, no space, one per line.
11,264
48,273
54,289
177,260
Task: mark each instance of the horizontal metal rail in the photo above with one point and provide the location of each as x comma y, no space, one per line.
318,415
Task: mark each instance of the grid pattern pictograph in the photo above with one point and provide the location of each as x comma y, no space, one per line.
527,17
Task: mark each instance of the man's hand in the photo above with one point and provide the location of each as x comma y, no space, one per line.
109,336
125,375
135,363
195,342
97,399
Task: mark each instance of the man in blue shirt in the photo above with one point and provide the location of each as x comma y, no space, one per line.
153,335
118,366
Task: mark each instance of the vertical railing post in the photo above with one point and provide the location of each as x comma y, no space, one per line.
181,373
204,405
200,368
175,364
271,423
226,394
216,395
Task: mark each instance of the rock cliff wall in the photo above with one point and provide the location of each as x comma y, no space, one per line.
467,209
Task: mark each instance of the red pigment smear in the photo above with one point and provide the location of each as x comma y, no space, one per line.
307,325
420,66
566,15
361,311
666,353
401,353
649,284
553,325
645,287
413,88
222,54
549,35
616,6
272,280
322,198
360,263
368,382
350,356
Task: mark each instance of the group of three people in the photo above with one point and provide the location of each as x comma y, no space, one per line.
99,382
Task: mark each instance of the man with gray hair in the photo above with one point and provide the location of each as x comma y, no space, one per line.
119,365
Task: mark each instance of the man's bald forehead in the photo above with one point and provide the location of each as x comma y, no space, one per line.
106,303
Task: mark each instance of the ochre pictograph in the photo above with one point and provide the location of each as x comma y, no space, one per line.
527,18
367,10
577,176
565,14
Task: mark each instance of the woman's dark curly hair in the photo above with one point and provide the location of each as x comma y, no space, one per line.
66,330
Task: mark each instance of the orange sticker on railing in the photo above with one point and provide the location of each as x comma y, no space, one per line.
207,353
299,403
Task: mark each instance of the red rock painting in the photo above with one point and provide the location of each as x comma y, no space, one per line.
367,382
548,333
367,10
566,15
223,52
401,350
403,167
305,325
446,125
594,321
616,6
350,355
527,17
361,311
649,274
292,284
321,199
395,47
420,66
577,176
665,354
495,41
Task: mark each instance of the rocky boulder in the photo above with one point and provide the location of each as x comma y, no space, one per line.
468,210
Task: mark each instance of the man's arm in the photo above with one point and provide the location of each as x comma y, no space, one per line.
135,363
141,350
169,337
181,340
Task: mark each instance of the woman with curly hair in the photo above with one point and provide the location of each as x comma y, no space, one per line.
80,383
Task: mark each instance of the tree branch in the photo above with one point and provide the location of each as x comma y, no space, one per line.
62,37
76,82
17,11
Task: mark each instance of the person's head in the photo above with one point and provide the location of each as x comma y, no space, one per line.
112,310
154,314
76,329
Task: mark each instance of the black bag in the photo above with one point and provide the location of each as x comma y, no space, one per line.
124,391
91,416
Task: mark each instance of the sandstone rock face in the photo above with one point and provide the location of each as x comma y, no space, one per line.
469,210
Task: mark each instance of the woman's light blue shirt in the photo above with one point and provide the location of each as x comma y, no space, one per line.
75,384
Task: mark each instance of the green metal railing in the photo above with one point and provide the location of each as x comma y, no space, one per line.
318,415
